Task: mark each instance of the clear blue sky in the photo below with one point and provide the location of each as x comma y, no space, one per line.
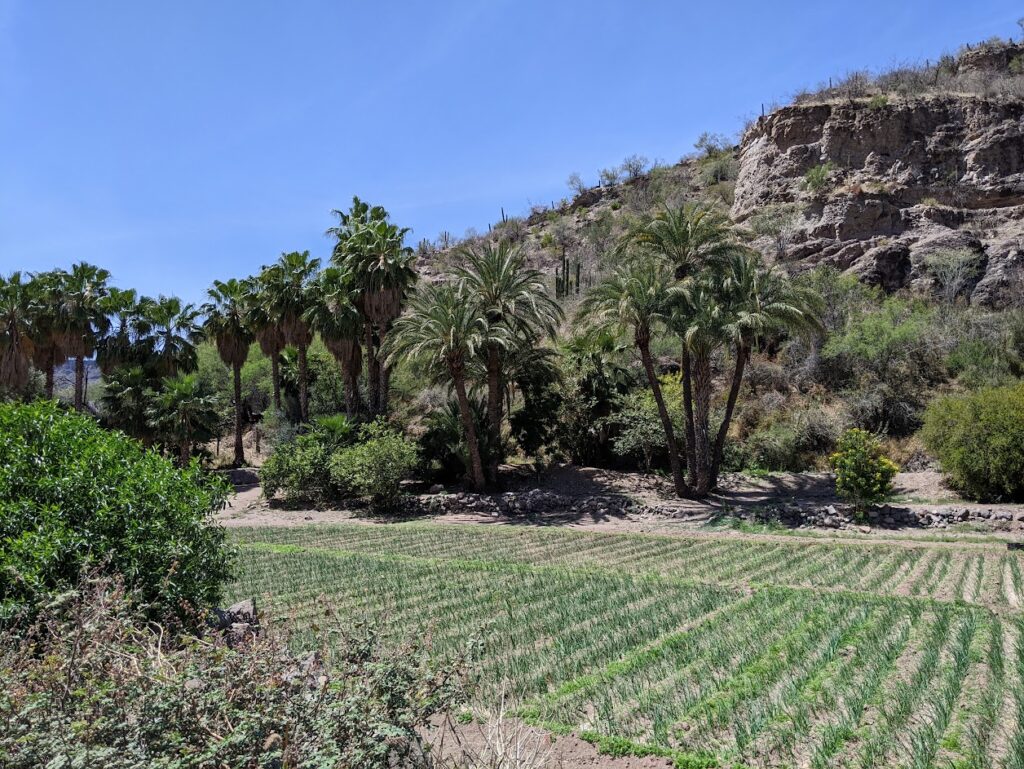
177,142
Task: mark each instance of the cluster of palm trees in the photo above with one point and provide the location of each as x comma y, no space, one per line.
686,273
683,272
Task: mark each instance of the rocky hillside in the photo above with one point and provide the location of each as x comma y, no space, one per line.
881,176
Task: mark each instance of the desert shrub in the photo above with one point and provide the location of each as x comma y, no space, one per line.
863,475
89,686
639,434
773,448
442,446
819,178
300,466
376,466
73,494
979,440
634,166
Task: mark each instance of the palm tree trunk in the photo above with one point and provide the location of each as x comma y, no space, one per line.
384,377
239,450
79,382
494,410
184,453
734,390
666,421
353,403
303,384
275,375
691,457
476,470
372,372
49,379
701,416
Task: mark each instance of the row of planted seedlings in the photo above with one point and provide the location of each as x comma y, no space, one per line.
979,575
531,626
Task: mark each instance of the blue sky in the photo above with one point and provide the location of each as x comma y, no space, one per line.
178,142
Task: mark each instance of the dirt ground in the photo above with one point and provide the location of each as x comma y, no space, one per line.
915,491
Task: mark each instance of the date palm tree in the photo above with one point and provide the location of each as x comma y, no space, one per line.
441,332
48,351
372,250
16,333
83,320
226,323
288,284
334,316
637,298
761,302
512,296
693,239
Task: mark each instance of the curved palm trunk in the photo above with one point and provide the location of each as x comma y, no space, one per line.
239,450
303,384
701,417
494,410
742,353
476,470
79,382
691,457
275,375
666,421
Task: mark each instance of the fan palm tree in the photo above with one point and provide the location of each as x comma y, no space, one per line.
16,333
288,284
761,302
183,414
334,316
441,332
515,297
83,320
637,297
266,327
118,347
127,397
173,328
372,250
48,351
226,324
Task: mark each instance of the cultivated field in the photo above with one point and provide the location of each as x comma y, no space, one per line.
721,650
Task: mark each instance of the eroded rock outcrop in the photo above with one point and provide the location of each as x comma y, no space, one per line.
903,179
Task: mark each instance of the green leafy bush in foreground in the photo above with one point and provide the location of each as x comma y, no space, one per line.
863,475
301,466
87,686
376,467
74,494
979,440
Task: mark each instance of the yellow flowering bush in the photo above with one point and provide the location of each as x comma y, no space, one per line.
863,475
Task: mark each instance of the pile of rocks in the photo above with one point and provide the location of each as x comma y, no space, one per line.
884,516
530,503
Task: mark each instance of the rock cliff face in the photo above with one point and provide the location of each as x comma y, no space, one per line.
901,180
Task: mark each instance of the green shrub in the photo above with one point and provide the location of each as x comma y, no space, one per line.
300,468
979,440
376,467
863,475
88,686
639,434
818,179
878,101
442,446
73,494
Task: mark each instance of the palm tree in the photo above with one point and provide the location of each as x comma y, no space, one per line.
693,238
510,295
173,329
127,397
637,297
334,316
372,250
266,327
118,347
183,414
226,324
761,302
288,284
83,319
16,333
47,337
441,332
